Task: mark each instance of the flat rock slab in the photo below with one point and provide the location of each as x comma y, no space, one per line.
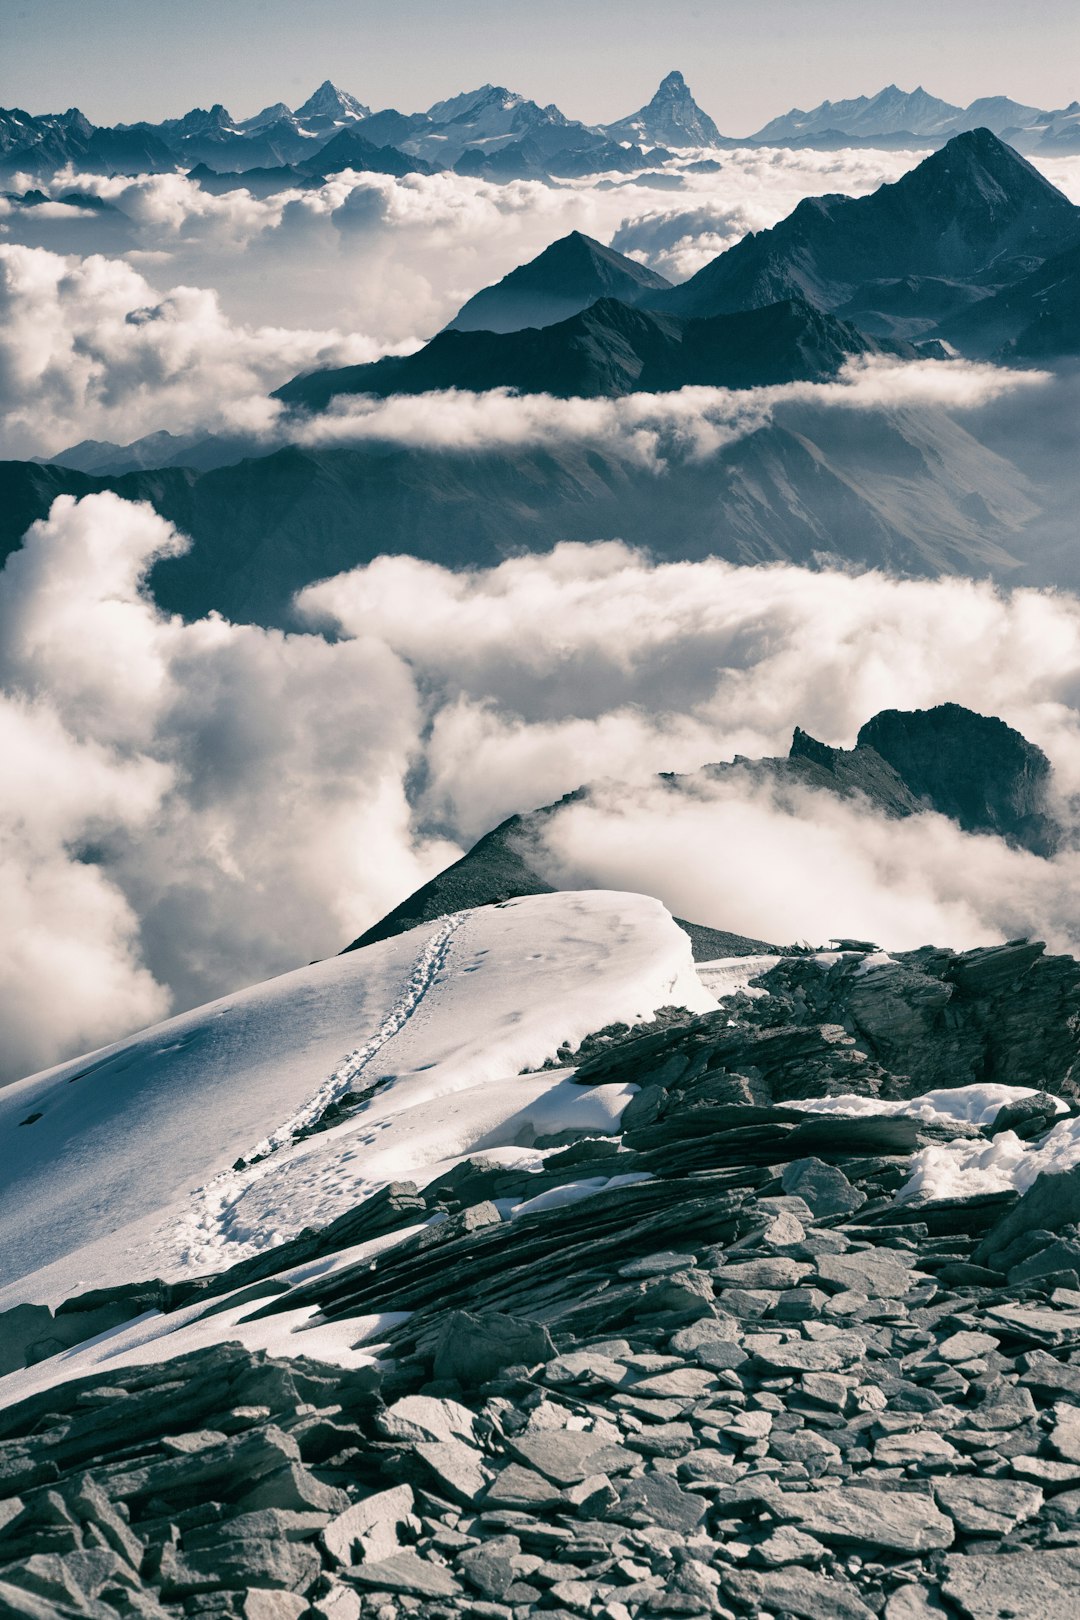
898,1521
799,1593
1015,1586
371,1526
406,1572
568,1456
804,1355
457,1469
989,1507
657,1502
1037,1323
423,1417
877,1273
517,1487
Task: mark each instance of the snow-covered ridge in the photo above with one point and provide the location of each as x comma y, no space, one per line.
126,1167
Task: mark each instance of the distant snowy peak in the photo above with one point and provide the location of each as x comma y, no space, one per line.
489,99
275,114
895,113
202,121
892,111
671,118
484,120
334,105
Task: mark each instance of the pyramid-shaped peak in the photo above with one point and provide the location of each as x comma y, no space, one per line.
330,102
671,118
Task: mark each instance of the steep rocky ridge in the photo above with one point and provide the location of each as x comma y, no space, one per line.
970,767
611,349
975,210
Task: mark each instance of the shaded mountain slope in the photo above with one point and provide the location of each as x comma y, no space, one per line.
1036,319
612,349
974,209
908,490
970,767
566,278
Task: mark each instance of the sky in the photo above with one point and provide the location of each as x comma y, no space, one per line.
122,60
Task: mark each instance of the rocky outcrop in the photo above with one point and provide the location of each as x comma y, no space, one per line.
970,767
748,1381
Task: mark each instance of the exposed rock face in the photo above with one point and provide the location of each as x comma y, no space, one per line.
607,350
974,206
970,767
671,118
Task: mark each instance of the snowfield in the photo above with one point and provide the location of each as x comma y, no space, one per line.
123,1164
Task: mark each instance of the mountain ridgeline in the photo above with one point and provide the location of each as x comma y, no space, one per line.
974,246
971,768
969,219
495,133
612,349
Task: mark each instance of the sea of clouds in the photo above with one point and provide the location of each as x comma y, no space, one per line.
187,808
172,308
190,807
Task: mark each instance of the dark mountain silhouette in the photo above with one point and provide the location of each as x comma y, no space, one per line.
40,146
970,767
671,118
975,209
567,277
611,349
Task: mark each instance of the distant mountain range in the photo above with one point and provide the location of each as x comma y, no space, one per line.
899,117
974,244
908,490
497,134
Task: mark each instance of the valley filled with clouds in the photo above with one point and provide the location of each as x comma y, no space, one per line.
200,802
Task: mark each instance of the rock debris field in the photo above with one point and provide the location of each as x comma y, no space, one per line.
760,1380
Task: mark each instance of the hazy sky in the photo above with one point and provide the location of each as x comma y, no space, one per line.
745,60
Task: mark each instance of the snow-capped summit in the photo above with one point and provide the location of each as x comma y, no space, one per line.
274,114
671,118
891,112
332,105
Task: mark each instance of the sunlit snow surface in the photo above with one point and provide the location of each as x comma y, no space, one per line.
127,1173
963,1169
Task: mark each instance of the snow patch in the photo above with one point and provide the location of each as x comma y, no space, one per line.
974,1105
128,1170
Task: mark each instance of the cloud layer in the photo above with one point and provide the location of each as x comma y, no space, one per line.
191,807
166,307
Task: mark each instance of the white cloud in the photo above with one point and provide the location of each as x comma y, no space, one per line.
647,428
88,348
191,807
395,258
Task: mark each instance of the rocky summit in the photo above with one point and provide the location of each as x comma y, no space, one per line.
772,1367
